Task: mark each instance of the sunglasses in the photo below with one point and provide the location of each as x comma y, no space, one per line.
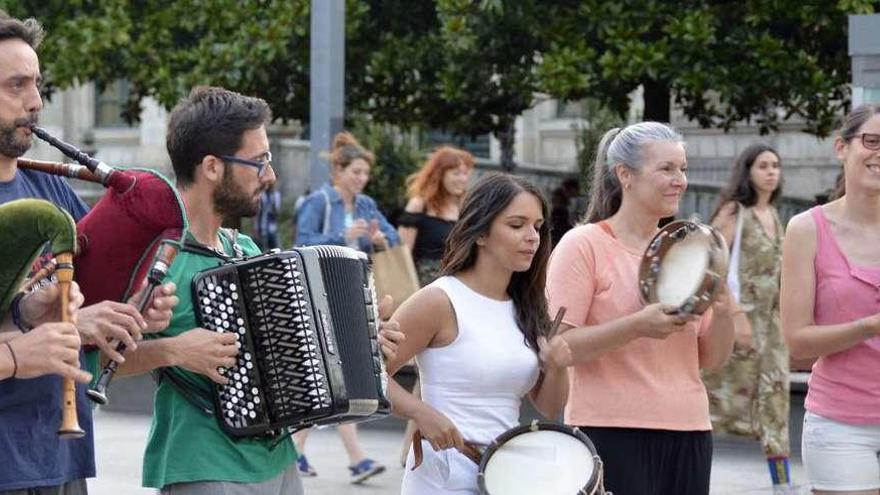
260,165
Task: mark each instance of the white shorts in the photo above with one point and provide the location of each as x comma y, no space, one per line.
840,456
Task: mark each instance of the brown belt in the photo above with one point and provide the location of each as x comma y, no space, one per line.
471,450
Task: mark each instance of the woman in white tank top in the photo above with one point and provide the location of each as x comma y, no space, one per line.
477,334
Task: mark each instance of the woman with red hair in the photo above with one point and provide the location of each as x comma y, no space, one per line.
435,194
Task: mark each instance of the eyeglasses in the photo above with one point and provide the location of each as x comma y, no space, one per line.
260,165
870,141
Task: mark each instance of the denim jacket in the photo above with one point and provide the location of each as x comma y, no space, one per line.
312,212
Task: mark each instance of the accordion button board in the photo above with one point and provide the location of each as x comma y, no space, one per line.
306,356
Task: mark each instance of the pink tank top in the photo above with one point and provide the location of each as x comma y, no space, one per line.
844,386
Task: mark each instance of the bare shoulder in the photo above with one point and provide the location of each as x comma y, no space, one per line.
429,307
727,213
801,227
415,205
800,237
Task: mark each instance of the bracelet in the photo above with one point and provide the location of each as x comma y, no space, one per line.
15,310
14,361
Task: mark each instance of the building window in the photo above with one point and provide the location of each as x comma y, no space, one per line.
110,103
477,146
569,109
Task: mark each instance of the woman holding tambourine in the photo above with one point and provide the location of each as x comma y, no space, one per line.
635,379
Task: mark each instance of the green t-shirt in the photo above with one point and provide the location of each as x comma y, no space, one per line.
185,444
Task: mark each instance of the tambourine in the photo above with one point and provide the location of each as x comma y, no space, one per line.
684,266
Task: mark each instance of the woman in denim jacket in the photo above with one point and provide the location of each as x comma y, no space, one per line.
338,213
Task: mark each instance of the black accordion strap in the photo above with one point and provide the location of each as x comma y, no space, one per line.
194,246
191,391
196,395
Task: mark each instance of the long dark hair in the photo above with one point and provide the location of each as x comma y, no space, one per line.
482,204
740,188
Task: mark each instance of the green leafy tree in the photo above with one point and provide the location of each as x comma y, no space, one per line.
456,65
598,119
165,48
722,62
396,159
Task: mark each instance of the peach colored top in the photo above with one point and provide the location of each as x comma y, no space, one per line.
647,383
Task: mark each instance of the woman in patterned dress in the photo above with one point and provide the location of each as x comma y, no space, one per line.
750,396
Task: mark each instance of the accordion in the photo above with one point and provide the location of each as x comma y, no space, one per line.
307,326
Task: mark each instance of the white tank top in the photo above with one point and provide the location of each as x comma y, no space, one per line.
478,380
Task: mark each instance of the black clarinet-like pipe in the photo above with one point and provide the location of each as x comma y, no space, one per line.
99,168
162,261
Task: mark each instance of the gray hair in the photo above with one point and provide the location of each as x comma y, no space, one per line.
621,147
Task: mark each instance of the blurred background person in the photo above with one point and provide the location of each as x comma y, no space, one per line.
750,395
339,214
435,194
561,216
267,219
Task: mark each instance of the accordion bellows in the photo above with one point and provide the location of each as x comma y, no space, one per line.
307,327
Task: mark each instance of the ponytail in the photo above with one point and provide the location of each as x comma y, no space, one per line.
606,192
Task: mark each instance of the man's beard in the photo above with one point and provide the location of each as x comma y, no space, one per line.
11,145
232,201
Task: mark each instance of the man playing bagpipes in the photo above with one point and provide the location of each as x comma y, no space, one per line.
33,457
219,149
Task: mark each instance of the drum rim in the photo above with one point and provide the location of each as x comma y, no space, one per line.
540,426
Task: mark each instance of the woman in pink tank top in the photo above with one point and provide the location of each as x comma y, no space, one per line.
830,301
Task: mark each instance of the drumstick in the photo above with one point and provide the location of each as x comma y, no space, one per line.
554,327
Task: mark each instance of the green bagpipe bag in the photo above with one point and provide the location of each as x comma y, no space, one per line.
27,226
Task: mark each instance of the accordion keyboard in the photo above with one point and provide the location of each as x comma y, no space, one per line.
279,373
223,311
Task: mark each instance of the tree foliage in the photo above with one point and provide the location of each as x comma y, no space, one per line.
722,62
471,66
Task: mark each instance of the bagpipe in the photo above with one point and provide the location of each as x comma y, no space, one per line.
28,227
131,234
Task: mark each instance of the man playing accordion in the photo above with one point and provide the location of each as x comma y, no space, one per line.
219,150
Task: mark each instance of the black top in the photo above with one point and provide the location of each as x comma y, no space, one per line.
431,236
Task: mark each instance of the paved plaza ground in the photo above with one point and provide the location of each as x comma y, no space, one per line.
738,467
